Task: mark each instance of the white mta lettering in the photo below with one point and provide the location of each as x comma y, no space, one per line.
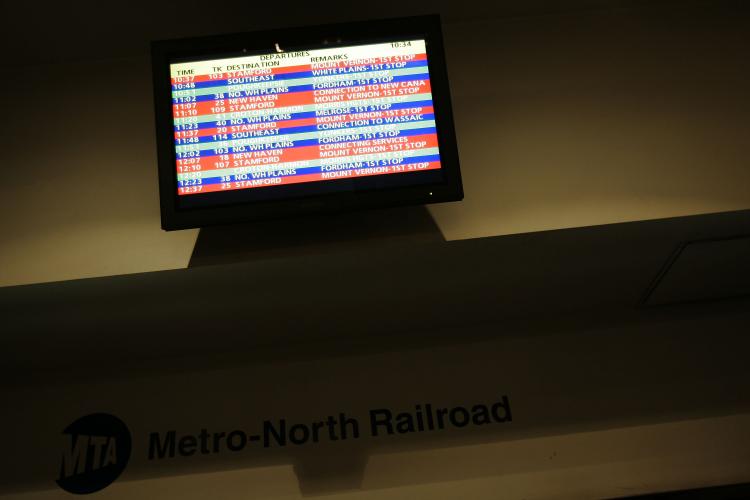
75,455
110,457
97,442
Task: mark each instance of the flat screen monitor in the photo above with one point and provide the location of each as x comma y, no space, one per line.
318,119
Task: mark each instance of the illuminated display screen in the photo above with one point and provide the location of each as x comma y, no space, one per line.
301,121
327,115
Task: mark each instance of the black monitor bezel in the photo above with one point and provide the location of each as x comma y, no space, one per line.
426,27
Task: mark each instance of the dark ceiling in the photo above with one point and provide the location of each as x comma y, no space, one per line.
36,33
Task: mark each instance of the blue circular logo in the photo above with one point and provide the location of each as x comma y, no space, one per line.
96,449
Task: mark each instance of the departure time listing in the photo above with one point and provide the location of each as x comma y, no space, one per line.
305,116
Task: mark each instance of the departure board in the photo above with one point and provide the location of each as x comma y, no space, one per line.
306,116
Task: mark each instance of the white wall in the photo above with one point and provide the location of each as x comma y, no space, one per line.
563,120
79,196
598,412
553,468
596,118
585,118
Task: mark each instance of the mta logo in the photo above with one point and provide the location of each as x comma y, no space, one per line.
96,449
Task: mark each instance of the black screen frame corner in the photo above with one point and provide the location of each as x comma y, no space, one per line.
450,188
